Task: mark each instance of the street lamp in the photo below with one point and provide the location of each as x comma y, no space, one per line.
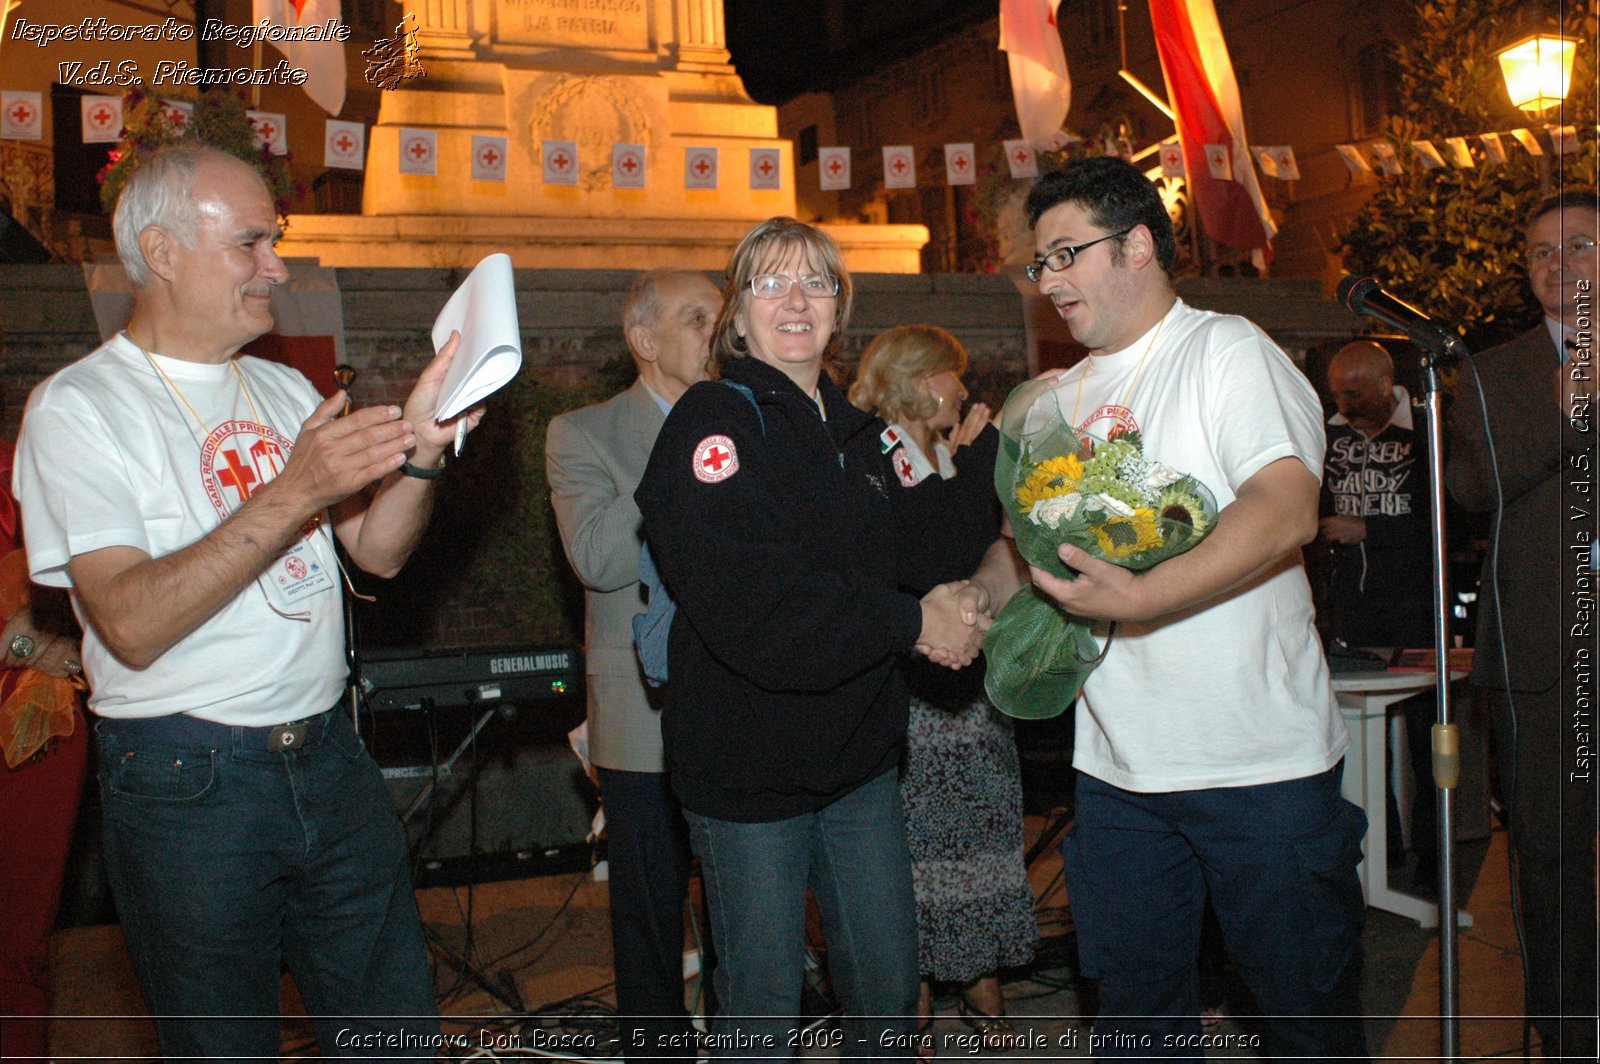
1537,70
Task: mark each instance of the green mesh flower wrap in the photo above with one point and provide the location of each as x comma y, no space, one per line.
1105,497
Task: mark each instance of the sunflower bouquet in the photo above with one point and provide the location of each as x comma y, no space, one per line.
1105,497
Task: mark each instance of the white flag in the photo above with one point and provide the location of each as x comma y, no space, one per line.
1388,158
1354,161
627,165
323,61
559,161
1218,162
271,131
178,112
21,116
1172,160
1493,147
899,167
960,164
1266,160
1283,156
344,145
1460,157
833,168
1427,154
419,152
488,158
766,168
1021,159
1040,87
700,168
1526,138
1564,139
102,119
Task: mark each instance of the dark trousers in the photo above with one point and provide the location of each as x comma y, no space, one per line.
1553,839
647,853
1279,863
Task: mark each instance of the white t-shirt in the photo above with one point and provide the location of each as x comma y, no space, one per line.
1237,693
111,455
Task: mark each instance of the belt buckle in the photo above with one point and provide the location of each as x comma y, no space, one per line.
291,736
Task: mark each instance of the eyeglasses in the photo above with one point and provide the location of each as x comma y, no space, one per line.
1540,254
1061,258
776,286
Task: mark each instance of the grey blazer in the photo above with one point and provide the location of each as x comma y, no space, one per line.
594,458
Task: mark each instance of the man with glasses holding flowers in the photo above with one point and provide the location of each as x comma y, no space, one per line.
1531,397
1209,743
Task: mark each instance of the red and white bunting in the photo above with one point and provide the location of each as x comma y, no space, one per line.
1427,155
272,131
21,116
833,169
628,165
1460,156
1283,155
344,145
1218,164
488,158
1493,147
1564,139
1266,160
700,168
1021,159
102,119
766,168
1172,160
419,152
1526,138
178,113
1354,161
1388,158
899,167
558,162
960,164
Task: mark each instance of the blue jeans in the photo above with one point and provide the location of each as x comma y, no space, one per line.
853,856
1279,863
647,850
230,860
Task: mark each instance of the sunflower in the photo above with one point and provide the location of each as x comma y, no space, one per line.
1184,508
1053,476
1121,537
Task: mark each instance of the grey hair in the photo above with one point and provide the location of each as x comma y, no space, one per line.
161,193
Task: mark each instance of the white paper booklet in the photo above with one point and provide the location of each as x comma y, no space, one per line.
484,310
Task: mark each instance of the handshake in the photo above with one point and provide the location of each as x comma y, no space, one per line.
954,618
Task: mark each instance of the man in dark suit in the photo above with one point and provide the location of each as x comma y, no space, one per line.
595,458
1535,643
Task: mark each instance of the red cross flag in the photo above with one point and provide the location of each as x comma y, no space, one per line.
766,168
715,458
271,131
1266,160
833,169
899,167
419,152
1040,87
1354,161
1563,138
700,168
488,158
102,119
960,164
21,116
1493,147
344,145
1427,154
559,162
628,165
1021,159
178,112
1172,160
322,60
1218,163
1283,156
1526,138
1388,159
1460,155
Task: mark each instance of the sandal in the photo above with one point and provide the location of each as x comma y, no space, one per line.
995,1033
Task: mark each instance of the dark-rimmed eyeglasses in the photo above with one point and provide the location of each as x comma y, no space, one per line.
1062,258
776,286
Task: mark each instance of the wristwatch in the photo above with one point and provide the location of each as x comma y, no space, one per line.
409,470
22,647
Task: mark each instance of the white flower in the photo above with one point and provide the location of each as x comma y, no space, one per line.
1108,504
1158,476
1052,511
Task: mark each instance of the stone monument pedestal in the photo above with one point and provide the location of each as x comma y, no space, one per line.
591,74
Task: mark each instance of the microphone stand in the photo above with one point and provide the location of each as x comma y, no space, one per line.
1446,743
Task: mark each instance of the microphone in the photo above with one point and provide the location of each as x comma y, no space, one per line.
1365,296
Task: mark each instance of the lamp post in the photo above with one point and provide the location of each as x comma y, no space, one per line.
1537,71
